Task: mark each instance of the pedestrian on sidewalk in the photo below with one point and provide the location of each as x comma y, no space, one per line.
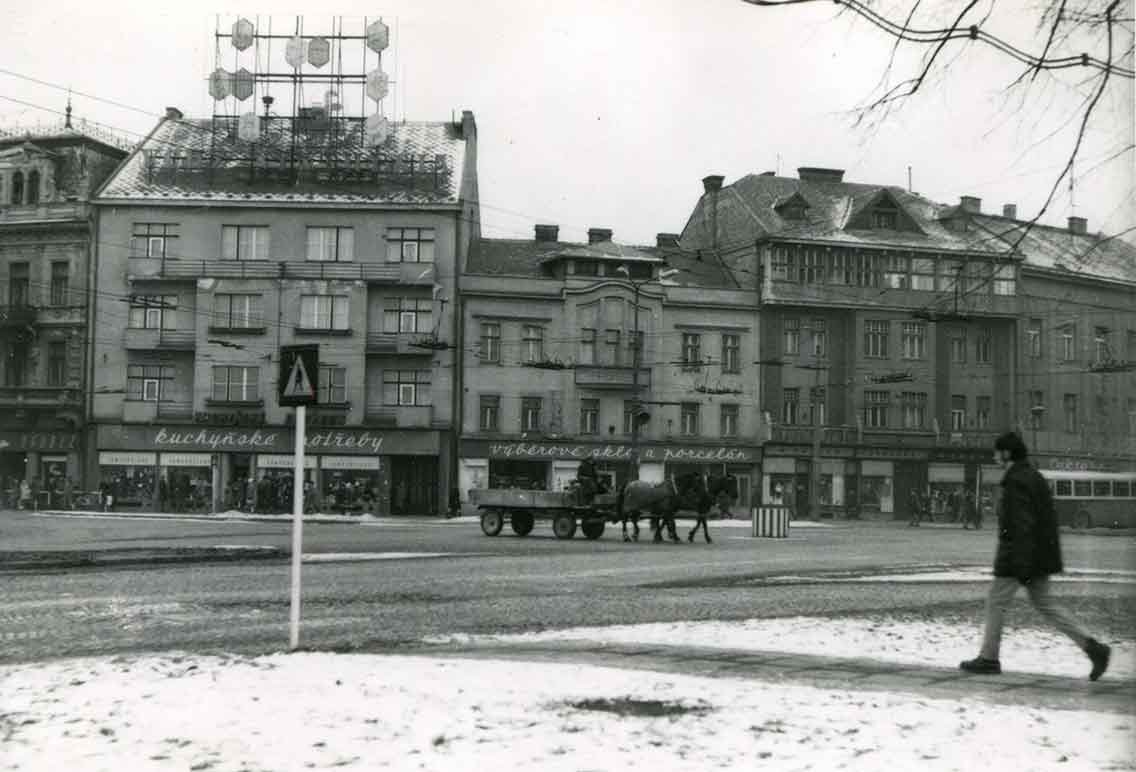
1028,553
915,503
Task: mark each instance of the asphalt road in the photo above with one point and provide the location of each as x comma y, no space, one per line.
479,584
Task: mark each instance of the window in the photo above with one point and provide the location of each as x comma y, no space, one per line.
586,268
1102,489
812,266
689,419
914,404
1132,416
33,188
923,274
410,245
589,416
885,219
489,412
237,312
1064,488
1069,403
1082,488
635,346
863,270
914,340
153,239
60,276
611,348
331,245
17,189
1033,338
629,412
977,277
17,365
236,384
982,346
876,339
949,274
820,338
793,337
1121,489
408,315
728,422
780,262
691,351
587,347
153,312
958,412
958,345
1131,352
149,383
1037,410
790,406
876,409
244,242
323,312
731,353
982,412
19,284
837,267
1005,280
896,269
332,388
56,363
406,388
818,406
1068,343
530,414
1100,344
532,343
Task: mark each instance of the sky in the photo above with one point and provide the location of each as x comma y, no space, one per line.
608,113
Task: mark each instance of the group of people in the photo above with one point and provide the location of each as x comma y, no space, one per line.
956,506
272,495
24,493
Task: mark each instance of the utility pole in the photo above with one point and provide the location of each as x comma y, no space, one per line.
635,345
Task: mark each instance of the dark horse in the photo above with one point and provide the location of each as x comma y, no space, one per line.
662,500
717,490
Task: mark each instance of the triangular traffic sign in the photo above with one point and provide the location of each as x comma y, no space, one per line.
299,384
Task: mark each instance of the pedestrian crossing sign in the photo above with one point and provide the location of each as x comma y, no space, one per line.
296,384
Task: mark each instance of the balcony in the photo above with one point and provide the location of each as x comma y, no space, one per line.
62,315
44,212
402,417
169,340
40,396
17,316
189,270
884,438
603,377
380,343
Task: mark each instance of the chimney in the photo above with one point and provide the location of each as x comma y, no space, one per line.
666,239
1010,211
820,174
712,183
971,204
469,126
596,235
1078,225
546,232
174,114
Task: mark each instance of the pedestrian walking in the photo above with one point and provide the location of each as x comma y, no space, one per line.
915,504
25,494
1028,553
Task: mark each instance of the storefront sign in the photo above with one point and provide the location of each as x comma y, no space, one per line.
281,461
119,458
38,441
186,459
370,463
271,439
1081,465
612,452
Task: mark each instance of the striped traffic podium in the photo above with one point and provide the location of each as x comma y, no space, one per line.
771,522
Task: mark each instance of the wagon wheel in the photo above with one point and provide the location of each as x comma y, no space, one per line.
593,529
1083,520
564,525
522,523
491,522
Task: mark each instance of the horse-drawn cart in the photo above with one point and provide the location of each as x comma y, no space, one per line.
566,510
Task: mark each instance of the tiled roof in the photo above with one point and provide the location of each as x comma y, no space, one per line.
1056,248
526,257
169,166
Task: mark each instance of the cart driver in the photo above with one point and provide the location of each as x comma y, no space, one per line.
587,478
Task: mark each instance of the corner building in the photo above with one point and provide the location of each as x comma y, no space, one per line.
207,267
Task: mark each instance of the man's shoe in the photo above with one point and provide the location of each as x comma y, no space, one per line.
1099,655
981,665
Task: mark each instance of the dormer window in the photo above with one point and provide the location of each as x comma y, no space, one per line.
793,212
792,208
885,219
587,268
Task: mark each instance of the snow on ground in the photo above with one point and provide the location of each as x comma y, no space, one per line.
317,711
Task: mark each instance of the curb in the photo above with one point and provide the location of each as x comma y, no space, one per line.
54,559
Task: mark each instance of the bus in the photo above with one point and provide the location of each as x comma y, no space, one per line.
1094,499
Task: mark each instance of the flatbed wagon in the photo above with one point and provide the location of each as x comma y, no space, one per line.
522,508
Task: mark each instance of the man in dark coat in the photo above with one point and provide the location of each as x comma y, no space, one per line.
1028,553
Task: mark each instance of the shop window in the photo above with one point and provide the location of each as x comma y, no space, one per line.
153,312
489,412
237,312
332,389
792,337
244,242
56,363
149,383
408,315
731,353
914,340
236,384
532,343
60,276
331,245
729,421
406,388
491,343
876,338
152,239
689,416
589,416
324,312
19,284
691,351
410,245
530,414
876,405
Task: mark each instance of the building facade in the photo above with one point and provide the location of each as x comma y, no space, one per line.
46,179
203,275
599,348
892,336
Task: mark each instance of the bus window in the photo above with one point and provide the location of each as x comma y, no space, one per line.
1101,489
1121,489
1082,489
1064,488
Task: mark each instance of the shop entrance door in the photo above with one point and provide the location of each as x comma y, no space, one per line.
414,485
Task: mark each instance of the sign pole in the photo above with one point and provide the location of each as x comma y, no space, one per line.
297,524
